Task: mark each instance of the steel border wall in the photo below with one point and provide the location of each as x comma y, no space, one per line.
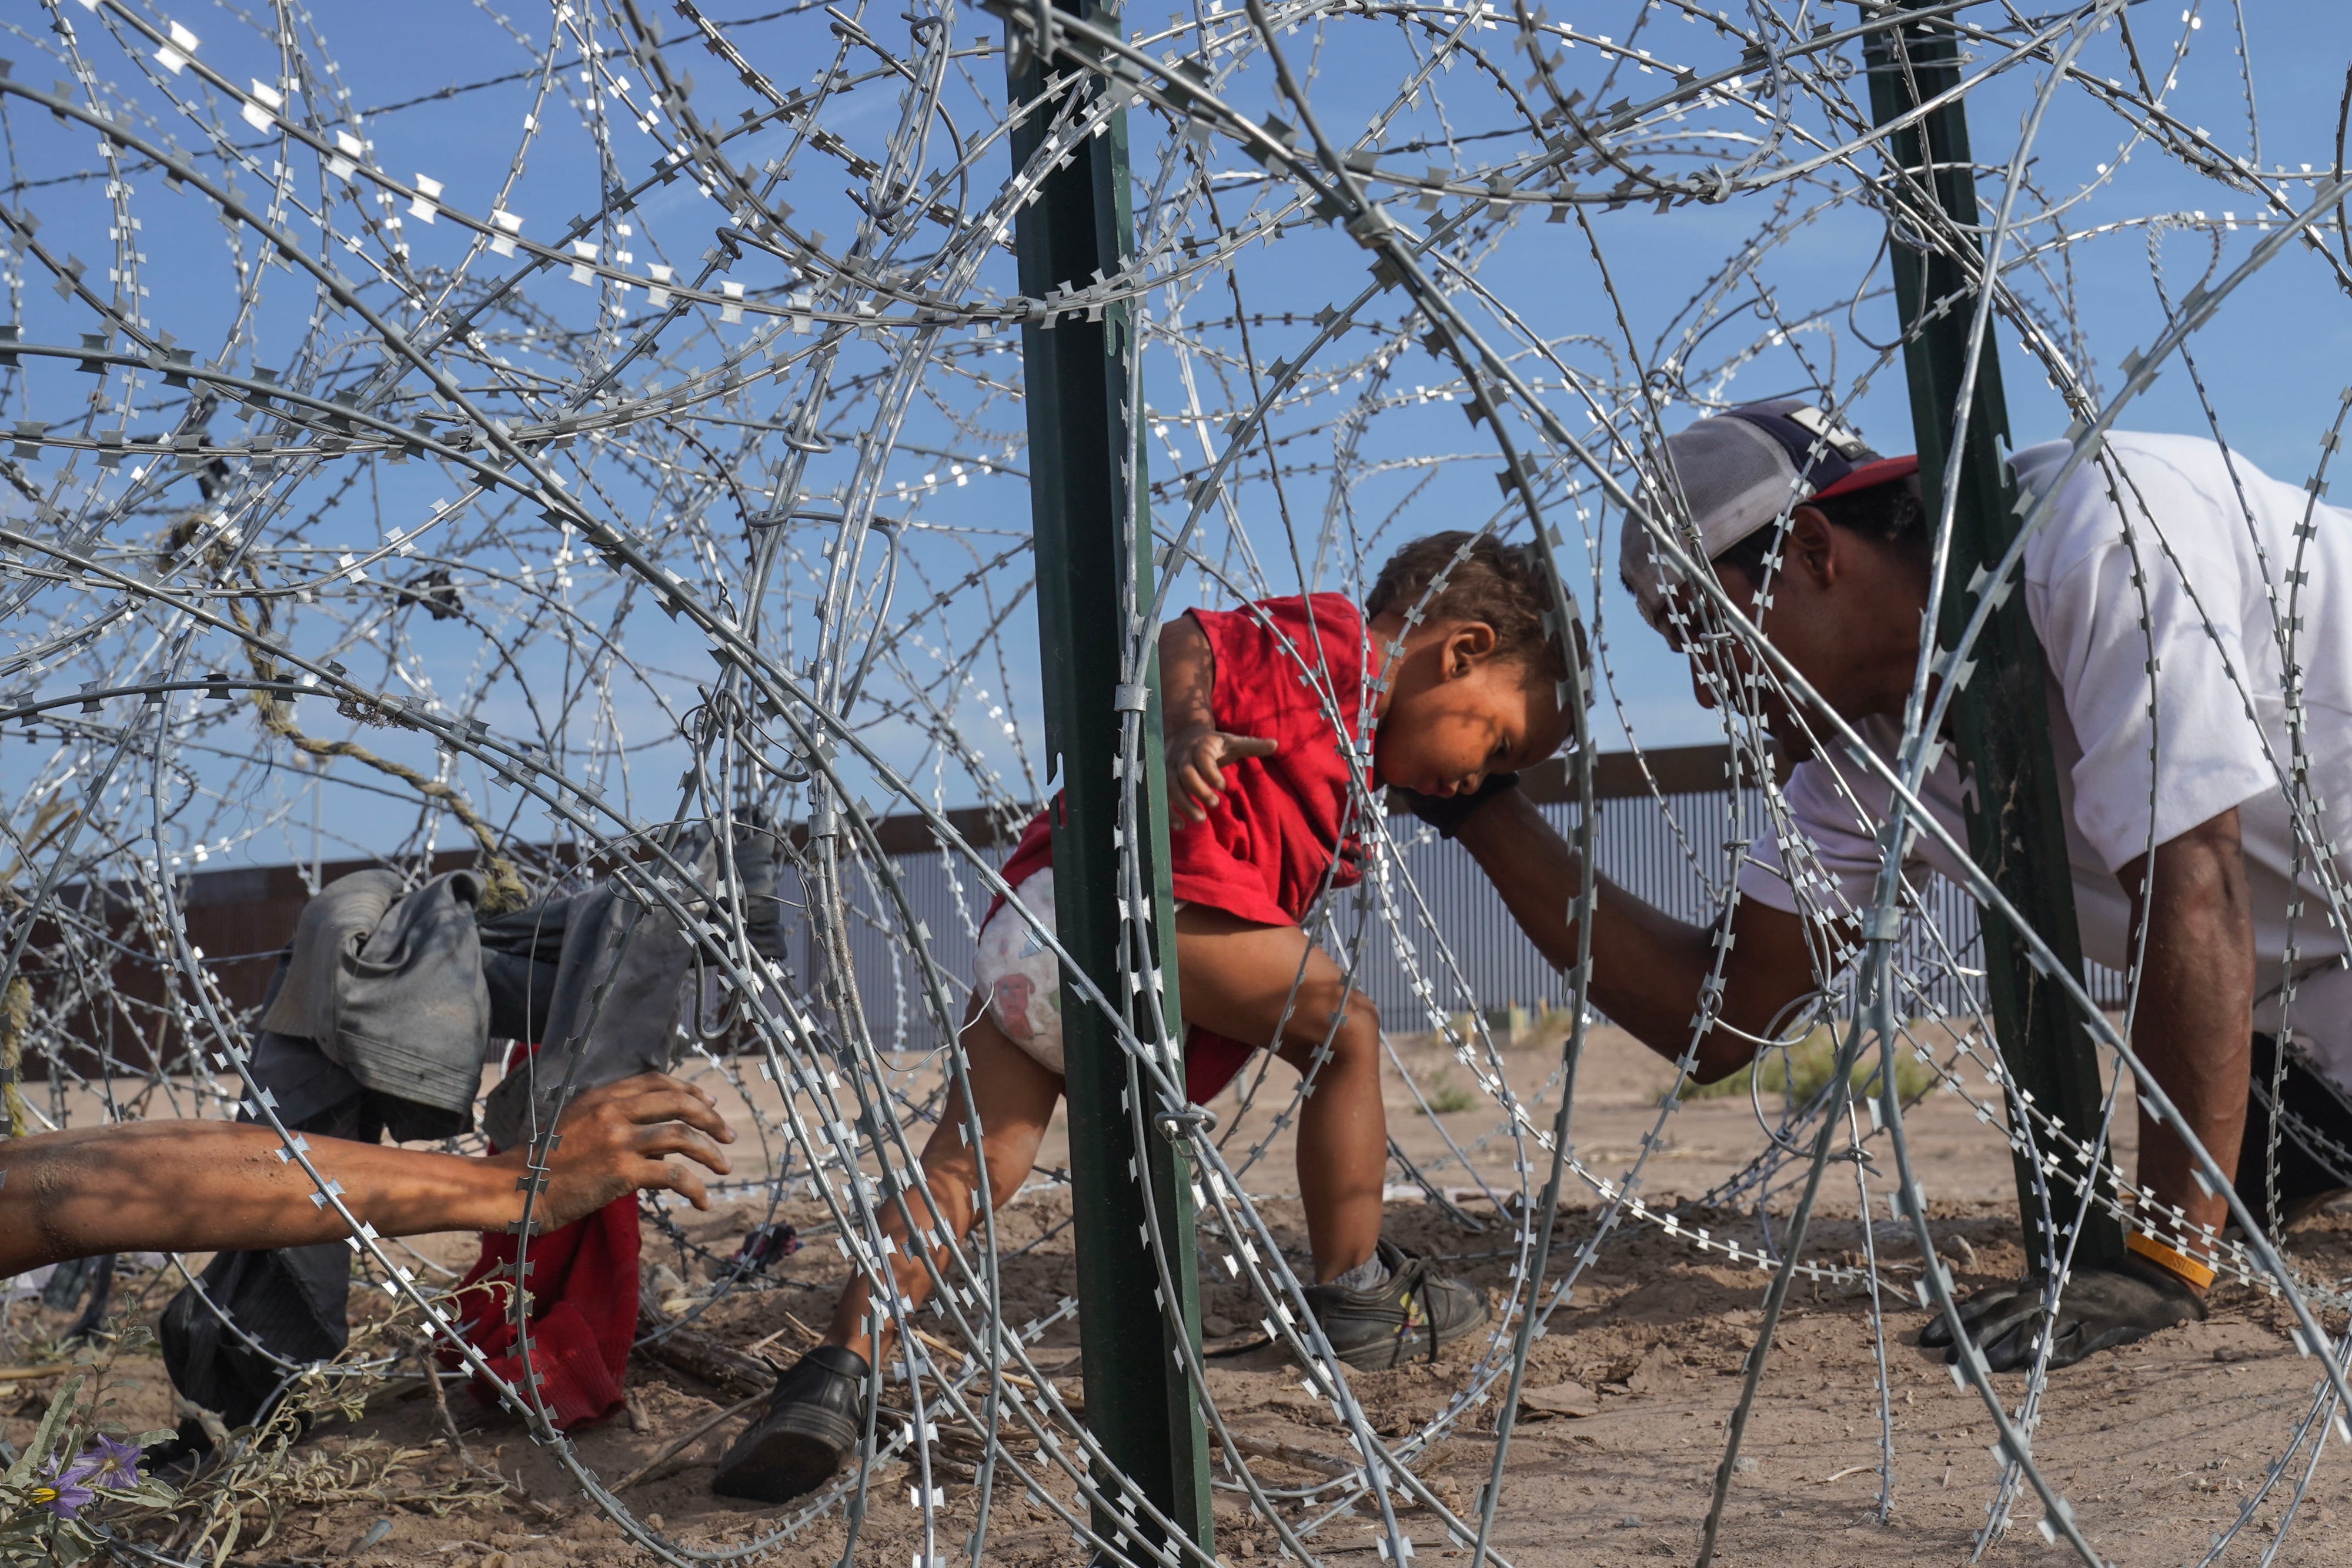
1668,849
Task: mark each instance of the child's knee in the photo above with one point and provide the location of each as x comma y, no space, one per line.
1356,1027
1347,1034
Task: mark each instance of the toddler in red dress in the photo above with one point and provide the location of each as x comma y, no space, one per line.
1283,721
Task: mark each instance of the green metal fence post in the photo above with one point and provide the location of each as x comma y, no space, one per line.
1091,570
2016,832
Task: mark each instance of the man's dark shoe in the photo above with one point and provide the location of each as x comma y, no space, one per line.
815,1417
2100,1308
1406,1317
2293,1211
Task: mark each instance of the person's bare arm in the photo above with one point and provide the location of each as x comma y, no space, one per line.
2190,1029
2196,997
1648,967
206,1186
1197,751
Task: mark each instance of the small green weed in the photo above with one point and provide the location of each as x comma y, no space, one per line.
1801,1070
1450,1097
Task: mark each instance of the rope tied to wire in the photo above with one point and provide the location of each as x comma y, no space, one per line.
503,890
16,1020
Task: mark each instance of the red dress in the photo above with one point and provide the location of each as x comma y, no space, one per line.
583,1313
1288,670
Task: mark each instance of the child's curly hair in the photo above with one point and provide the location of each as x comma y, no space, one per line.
1471,577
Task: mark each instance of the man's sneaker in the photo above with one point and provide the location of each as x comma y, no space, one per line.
816,1415
1404,1318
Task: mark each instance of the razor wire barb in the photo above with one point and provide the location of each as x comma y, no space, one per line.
549,537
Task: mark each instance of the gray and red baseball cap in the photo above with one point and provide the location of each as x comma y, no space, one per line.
1743,470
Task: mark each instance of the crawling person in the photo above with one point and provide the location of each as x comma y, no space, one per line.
1262,708
2153,586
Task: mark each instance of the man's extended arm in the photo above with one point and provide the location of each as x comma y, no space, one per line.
205,1186
2196,997
1648,969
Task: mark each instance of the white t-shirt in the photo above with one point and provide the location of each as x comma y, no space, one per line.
2217,540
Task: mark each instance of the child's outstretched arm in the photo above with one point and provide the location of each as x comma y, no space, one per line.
203,1187
1197,751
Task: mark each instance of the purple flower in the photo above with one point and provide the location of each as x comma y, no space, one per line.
63,1495
109,1464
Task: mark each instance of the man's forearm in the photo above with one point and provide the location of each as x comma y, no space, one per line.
193,1186
2192,1027
203,1187
1649,970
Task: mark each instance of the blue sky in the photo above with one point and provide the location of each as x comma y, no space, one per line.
2273,360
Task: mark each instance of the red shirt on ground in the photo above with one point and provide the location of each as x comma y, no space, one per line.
583,1308
1288,670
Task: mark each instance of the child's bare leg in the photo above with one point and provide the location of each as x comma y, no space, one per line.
1015,1095
1237,979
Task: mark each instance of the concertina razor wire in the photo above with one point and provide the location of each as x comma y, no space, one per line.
587,487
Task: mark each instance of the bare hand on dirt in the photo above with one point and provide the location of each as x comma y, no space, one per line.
636,1134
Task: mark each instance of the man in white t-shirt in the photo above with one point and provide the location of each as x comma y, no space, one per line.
2172,586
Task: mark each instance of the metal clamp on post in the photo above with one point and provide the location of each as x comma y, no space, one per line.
1174,1125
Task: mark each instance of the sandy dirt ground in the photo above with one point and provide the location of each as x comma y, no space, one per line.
2156,1446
